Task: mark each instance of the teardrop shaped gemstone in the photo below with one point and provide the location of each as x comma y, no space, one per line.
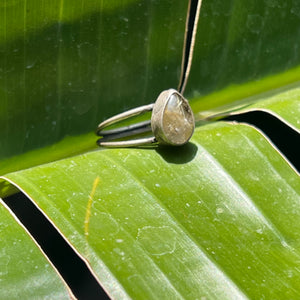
178,120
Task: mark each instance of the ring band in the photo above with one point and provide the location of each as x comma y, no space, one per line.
172,123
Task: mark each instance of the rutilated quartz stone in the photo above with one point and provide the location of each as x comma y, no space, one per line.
178,120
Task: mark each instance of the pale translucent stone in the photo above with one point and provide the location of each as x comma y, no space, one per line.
178,120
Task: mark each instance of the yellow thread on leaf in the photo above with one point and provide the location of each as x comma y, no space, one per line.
88,208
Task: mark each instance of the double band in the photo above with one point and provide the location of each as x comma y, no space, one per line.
172,123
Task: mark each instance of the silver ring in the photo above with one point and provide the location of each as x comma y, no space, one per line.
172,123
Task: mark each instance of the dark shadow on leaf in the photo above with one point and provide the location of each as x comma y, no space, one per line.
178,155
284,137
74,271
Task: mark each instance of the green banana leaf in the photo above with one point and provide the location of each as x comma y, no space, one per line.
217,218
244,48
24,272
62,62
284,105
